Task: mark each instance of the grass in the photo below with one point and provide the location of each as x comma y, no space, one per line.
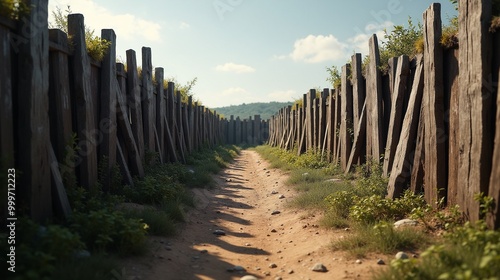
382,238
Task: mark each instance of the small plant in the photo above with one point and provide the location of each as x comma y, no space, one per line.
96,47
107,230
13,9
468,252
449,36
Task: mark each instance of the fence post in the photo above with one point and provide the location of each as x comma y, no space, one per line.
374,118
358,102
147,99
134,101
107,123
493,219
160,111
475,102
433,103
346,118
82,100
33,133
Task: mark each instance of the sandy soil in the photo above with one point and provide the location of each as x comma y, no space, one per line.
241,205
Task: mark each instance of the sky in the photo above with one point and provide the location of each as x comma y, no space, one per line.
245,51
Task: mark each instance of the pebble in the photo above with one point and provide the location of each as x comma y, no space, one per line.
248,244
405,223
248,277
219,232
228,180
267,273
275,212
380,262
273,265
236,268
168,248
359,262
281,196
319,267
204,251
401,256
278,278
273,230
291,271
274,192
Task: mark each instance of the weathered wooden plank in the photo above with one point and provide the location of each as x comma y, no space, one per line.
338,121
374,118
359,141
160,111
147,99
107,119
186,130
322,117
170,146
397,113
61,130
121,76
33,133
127,134
257,130
237,131
452,91
134,101
405,150
311,95
346,117
417,169
476,103
331,126
190,120
122,163
6,101
433,103
493,218
358,89
171,111
62,209
83,102
315,133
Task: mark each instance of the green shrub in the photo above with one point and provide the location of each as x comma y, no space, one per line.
105,230
159,222
375,208
41,249
381,238
468,252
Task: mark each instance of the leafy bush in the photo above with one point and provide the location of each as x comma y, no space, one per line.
13,9
468,252
96,47
375,208
41,249
158,221
105,230
382,238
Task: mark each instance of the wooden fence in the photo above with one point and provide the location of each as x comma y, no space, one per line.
430,121
51,92
247,131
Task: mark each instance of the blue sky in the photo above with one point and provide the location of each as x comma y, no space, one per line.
245,51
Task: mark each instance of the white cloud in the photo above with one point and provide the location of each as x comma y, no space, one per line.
316,49
283,95
359,42
126,26
184,25
233,67
233,91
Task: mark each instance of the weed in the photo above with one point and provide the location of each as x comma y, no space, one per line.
468,252
382,238
159,222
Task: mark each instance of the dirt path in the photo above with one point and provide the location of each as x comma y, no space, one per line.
241,205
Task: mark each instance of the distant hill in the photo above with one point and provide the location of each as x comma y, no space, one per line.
265,110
